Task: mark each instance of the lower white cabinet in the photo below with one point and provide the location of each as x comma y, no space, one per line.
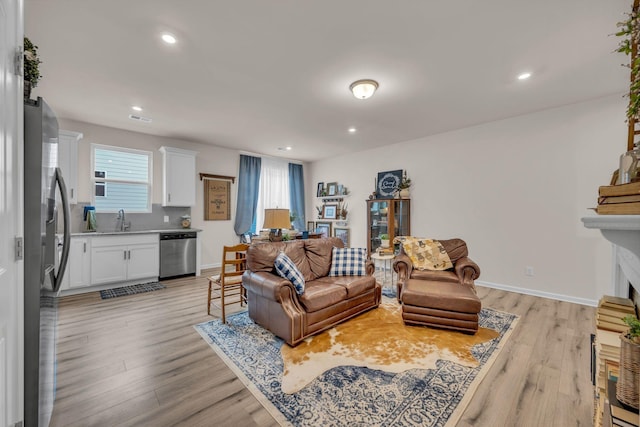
79,267
124,258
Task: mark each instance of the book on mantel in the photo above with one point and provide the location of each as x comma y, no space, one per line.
630,189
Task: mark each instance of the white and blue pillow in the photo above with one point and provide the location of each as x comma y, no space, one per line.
288,270
348,262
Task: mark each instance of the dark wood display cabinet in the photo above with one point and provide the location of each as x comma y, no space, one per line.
387,216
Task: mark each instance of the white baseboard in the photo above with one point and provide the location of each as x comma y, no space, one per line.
206,266
536,293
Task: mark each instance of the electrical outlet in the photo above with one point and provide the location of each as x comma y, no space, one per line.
528,271
166,218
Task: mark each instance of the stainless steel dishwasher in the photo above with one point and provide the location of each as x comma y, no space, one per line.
178,254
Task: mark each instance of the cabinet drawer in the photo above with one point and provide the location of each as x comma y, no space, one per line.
133,239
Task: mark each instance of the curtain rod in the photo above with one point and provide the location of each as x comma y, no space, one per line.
249,153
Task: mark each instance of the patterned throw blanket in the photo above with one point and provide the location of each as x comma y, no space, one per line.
425,254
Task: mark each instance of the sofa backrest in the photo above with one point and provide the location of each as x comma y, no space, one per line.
312,256
456,249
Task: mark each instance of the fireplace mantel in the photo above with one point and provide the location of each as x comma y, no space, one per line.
621,230
624,232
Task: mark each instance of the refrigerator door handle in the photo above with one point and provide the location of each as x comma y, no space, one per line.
64,257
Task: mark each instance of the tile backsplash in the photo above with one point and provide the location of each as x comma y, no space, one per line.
153,220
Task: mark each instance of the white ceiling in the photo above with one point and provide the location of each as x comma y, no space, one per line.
256,75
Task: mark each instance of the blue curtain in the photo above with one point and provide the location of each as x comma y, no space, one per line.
296,189
248,186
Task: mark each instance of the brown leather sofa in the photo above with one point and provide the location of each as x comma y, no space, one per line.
444,299
275,305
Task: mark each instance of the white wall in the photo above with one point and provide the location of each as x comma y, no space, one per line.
210,159
513,189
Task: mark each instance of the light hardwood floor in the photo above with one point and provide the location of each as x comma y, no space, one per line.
137,361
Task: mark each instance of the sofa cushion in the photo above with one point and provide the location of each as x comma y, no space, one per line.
319,253
443,276
320,294
355,285
287,269
348,262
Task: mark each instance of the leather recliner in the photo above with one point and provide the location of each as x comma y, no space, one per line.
445,298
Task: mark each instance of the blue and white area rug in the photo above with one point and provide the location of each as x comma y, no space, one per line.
369,371
131,290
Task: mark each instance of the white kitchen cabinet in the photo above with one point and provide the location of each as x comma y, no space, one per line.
178,177
68,161
79,267
124,258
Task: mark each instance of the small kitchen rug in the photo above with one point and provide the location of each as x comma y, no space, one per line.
131,290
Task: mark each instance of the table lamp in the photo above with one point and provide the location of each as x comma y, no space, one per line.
276,220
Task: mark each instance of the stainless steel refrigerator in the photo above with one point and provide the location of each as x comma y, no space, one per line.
43,268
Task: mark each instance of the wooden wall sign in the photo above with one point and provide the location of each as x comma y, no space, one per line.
217,199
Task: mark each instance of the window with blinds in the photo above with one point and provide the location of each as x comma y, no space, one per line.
121,179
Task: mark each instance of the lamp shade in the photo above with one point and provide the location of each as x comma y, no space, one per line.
363,89
276,219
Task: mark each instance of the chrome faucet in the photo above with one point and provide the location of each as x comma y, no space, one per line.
123,225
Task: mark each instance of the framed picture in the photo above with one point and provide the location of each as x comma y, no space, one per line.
320,189
310,226
387,183
340,189
323,228
343,234
329,211
332,188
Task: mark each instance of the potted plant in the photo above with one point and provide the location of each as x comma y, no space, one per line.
629,31
627,386
31,67
384,240
403,187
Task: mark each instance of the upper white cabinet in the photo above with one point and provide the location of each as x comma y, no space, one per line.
68,161
178,177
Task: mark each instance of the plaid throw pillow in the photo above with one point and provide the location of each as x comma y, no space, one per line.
288,270
348,262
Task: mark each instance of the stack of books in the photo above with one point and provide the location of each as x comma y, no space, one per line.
385,251
610,312
616,413
609,326
623,199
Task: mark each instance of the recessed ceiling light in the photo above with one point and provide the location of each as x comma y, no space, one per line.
287,148
352,130
136,108
524,76
168,38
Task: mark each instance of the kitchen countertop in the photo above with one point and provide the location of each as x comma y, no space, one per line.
120,233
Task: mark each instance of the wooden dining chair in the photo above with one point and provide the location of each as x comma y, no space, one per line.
227,286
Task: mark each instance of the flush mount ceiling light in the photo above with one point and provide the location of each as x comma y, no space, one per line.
524,76
136,108
168,38
363,89
287,148
352,130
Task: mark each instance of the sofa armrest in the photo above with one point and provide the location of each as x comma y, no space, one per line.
403,267
268,285
467,271
370,267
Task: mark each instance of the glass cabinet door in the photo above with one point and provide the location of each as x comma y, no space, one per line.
401,218
378,223
387,216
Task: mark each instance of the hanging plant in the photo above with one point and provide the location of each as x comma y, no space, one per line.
629,30
31,63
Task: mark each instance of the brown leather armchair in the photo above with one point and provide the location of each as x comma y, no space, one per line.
446,298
